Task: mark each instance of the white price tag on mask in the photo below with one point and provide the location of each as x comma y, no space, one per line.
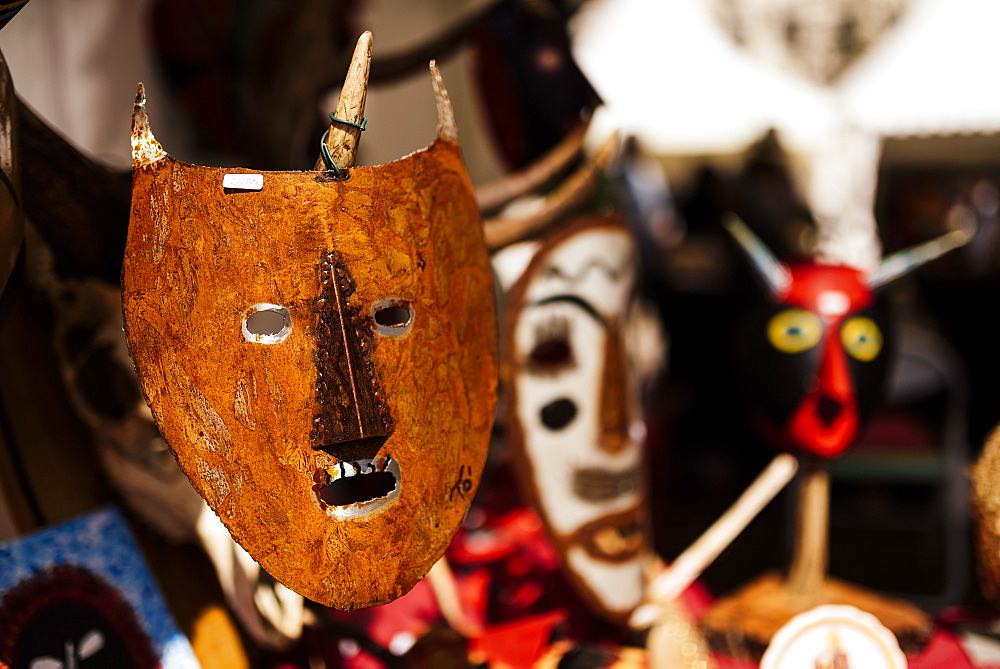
243,181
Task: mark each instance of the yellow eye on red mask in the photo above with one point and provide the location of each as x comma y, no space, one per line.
794,330
862,338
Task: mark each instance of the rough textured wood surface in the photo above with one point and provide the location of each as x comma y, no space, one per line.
742,624
239,415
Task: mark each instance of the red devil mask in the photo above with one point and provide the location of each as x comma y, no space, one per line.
814,360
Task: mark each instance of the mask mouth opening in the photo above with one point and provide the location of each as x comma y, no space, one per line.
828,409
599,485
356,488
616,537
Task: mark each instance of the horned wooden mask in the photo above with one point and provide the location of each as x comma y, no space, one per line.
319,353
573,410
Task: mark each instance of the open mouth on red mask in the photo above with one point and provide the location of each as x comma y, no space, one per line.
822,425
356,488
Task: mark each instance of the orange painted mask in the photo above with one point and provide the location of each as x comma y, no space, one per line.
319,354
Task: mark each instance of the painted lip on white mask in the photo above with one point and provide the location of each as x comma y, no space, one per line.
351,489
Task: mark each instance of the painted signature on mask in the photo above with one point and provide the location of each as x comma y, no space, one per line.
463,484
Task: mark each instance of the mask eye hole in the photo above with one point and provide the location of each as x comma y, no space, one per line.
266,324
552,351
558,414
550,355
794,330
393,317
862,338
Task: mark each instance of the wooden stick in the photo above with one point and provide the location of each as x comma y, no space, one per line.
445,589
501,231
689,565
498,193
343,139
809,561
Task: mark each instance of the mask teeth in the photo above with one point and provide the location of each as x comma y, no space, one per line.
359,467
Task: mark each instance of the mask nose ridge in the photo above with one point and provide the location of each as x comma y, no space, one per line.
614,397
352,420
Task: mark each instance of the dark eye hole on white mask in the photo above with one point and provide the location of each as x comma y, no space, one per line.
559,413
393,317
266,324
552,352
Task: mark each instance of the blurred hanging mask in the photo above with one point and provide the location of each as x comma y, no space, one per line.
319,354
100,380
814,359
573,412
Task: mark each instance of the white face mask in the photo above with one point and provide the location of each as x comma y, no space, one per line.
573,410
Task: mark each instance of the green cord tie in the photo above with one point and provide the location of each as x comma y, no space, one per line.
324,150
359,126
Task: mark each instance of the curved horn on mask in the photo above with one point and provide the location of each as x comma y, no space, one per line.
447,129
502,230
772,271
498,193
902,262
145,149
344,135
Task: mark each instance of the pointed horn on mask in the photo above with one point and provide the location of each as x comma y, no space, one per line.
347,120
772,271
501,231
447,129
145,149
494,195
902,262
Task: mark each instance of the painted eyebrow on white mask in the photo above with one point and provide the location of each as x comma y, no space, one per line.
573,299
